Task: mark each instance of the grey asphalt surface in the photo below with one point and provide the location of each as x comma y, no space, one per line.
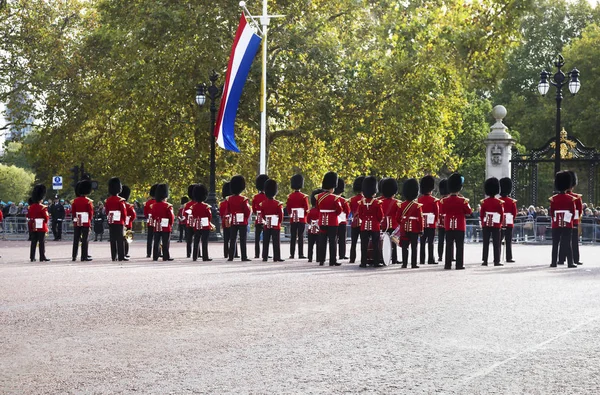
294,327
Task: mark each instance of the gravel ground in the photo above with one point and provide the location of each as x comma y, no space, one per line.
294,327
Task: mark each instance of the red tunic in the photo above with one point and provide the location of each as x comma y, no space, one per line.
239,208
390,208
410,217
131,215
148,211
162,216
256,201
578,207
272,212
201,212
224,214
354,209
115,210
510,208
491,213
329,209
40,212
455,209
343,217
187,211
297,200
441,215
312,219
80,206
562,210
370,212
430,210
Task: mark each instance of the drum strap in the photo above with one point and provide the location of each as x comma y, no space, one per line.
408,206
323,197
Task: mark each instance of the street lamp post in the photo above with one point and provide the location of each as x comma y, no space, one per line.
214,92
560,80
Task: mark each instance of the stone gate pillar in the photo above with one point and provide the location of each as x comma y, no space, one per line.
498,147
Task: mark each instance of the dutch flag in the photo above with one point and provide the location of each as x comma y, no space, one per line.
244,50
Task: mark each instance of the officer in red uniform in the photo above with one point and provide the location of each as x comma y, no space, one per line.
490,215
83,212
329,209
430,218
116,211
455,209
239,209
258,222
297,209
576,221
389,205
149,223
443,187
355,224
312,219
129,217
163,218
189,223
38,214
225,219
201,221
371,215
510,213
342,219
410,219
182,218
562,212
272,212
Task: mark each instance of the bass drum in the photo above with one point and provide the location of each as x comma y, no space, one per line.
386,249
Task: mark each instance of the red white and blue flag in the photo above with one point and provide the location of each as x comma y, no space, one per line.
244,50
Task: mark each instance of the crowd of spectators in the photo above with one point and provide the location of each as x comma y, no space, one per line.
532,212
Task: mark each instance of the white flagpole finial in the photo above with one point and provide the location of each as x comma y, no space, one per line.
242,4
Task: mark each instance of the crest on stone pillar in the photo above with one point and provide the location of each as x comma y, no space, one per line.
496,157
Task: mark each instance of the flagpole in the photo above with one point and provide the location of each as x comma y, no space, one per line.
263,105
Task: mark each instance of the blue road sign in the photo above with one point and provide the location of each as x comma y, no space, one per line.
57,182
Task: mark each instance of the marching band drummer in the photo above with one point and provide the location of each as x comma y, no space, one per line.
329,209
430,218
225,219
313,224
189,226
455,209
182,218
256,201
389,204
297,208
149,222
443,187
562,212
510,213
83,213
491,214
201,221
272,212
342,219
38,214
410,219
115,211
163,218
239,209
370,213
355,224
130,216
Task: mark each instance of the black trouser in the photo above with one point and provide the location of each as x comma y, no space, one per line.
412,240
394,247
115,235
562,236
312,240
243,231
441,237
574,246
80,233
297,233
427,238
257,231
35,238
126,247
354,233
342,240
189,240
181,230
373,235
328,233
273,234
506,235
201,235
226,237
495,233
452,237
150,230
57,229
166,239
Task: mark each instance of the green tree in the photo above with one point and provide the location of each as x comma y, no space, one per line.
15,183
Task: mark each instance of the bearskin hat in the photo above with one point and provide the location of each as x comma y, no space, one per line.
200,193
125,192
562,181
190,191
380,184
297,182
78,189
184,200
38,193
369,186
114,186
85,187
260,182
573,178
455,183
162,192
443,187
271,188
410,189
389,187
341,185
330,180
313,197
427,184
505,186
237,184
357,185
153,190
226,190
491,186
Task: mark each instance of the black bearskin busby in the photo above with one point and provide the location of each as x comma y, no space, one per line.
562,181
297,182
39,193
369,186
455,183
380,184
357,186
153,190
389,187
200,193
125,192
260,182
85,187
427,184
114,186
330,181
190,191
184,200
573,178
505,186
226,190
271,188
162,192
443,187
410,189
491,186
313,197
78,189
237,184
341,185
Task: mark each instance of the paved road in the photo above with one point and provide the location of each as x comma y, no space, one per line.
293,327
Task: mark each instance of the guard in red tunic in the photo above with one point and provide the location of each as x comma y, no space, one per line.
116,211
202,222
576,221
389,204
189,223
258,222
297,209
410,219
83,212
370,213
355,224
182,218
443,187
329,209
455,209
312,219
430,218
510,213
130,217
342,219
149,223
490,215
239,209
163,217
562,212
38,214
272,212
225,219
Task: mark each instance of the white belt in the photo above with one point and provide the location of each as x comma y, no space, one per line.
412,218
328,211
